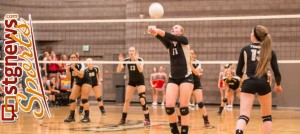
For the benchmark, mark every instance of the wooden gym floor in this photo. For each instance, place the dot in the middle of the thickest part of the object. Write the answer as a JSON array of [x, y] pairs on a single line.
[[284, 122]]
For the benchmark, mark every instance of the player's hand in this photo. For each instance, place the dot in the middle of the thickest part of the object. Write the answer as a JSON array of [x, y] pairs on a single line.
[[121, 57], [152, 31], [278, 89], [73, 65]]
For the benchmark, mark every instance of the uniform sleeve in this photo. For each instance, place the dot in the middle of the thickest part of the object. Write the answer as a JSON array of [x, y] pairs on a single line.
[[97, 69], [141, 59], [180, 39], [275, 68], [199, 65], [82, 67], [241, 64], [127, 59], [165, 42]]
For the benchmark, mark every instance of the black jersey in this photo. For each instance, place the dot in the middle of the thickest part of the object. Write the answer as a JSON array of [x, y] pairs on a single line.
[[197, 66], [179, 54], [74, 77], [248, 60], [93, 74], [134, 74], [233, 83]]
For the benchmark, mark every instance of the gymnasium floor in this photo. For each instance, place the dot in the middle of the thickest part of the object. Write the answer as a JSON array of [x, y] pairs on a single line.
[[284, 122]]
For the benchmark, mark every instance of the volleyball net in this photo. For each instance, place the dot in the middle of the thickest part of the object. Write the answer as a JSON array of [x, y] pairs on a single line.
[[216, 41]]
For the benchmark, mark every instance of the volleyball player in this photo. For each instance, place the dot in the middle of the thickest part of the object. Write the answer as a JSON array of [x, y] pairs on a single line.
[[82, 85], [161, 79], [136, 79], [220, 82], [252, 67], [181, 78], [95, 75], [231, 84], [197, 72], [153, 85]]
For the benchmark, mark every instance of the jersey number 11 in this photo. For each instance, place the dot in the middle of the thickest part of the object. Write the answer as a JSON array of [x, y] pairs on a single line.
[[255, 54]]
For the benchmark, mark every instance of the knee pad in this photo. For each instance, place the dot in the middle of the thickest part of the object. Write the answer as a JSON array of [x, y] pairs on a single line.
[[184, 111], [99, 99], [83, 101], [245, 118], [224, 100], [200, 105], [170, 110], [267, 118], [142, 96], [71, 101]]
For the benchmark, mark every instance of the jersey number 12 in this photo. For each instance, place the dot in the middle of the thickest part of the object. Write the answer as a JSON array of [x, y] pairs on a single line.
[[255, 54]]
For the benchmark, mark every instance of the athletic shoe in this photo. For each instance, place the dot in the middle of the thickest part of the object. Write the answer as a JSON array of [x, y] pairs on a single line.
[[122, 122], [206, 124], [85, 120], [69, 119], [147, 122]]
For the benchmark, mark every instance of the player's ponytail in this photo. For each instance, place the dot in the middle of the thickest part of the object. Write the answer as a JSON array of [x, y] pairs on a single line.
[[262, 35]]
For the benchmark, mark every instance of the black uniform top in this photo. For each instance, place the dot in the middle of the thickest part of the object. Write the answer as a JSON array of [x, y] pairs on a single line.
[[93, 74], [74, 77], [197, 66], [233, 83], [248, 61], [179, 54], [134, 74]]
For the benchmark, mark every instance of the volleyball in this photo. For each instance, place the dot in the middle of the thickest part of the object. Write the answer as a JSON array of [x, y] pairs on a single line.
[[156, 10]]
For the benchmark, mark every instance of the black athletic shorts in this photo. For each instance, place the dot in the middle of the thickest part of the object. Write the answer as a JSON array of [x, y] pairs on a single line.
[[188, 79], [94, 84], [259, 86], [136, 83], [84, 81], [197, 85]]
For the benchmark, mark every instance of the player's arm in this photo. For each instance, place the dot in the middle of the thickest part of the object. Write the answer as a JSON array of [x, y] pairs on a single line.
[[240, 65], [99, 77], [164, 41], [80, 72], [277, 74], [120, 66], [139, 65], [172, 37], [68, 73]]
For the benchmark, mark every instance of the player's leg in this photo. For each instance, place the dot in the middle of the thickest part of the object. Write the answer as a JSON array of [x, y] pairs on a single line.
[[266, 107], [72, 100], [199, 100], [98, 94], [171, 97], [246, 102], [85, 93], [143, 102], [128, 95], [186, 90]]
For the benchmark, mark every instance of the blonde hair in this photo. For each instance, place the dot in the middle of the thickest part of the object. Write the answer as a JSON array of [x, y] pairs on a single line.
[[262, 35]]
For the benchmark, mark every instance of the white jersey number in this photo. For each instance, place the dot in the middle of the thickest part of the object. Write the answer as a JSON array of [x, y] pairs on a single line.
[[255, 54], [132, 68], [175, 52]]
